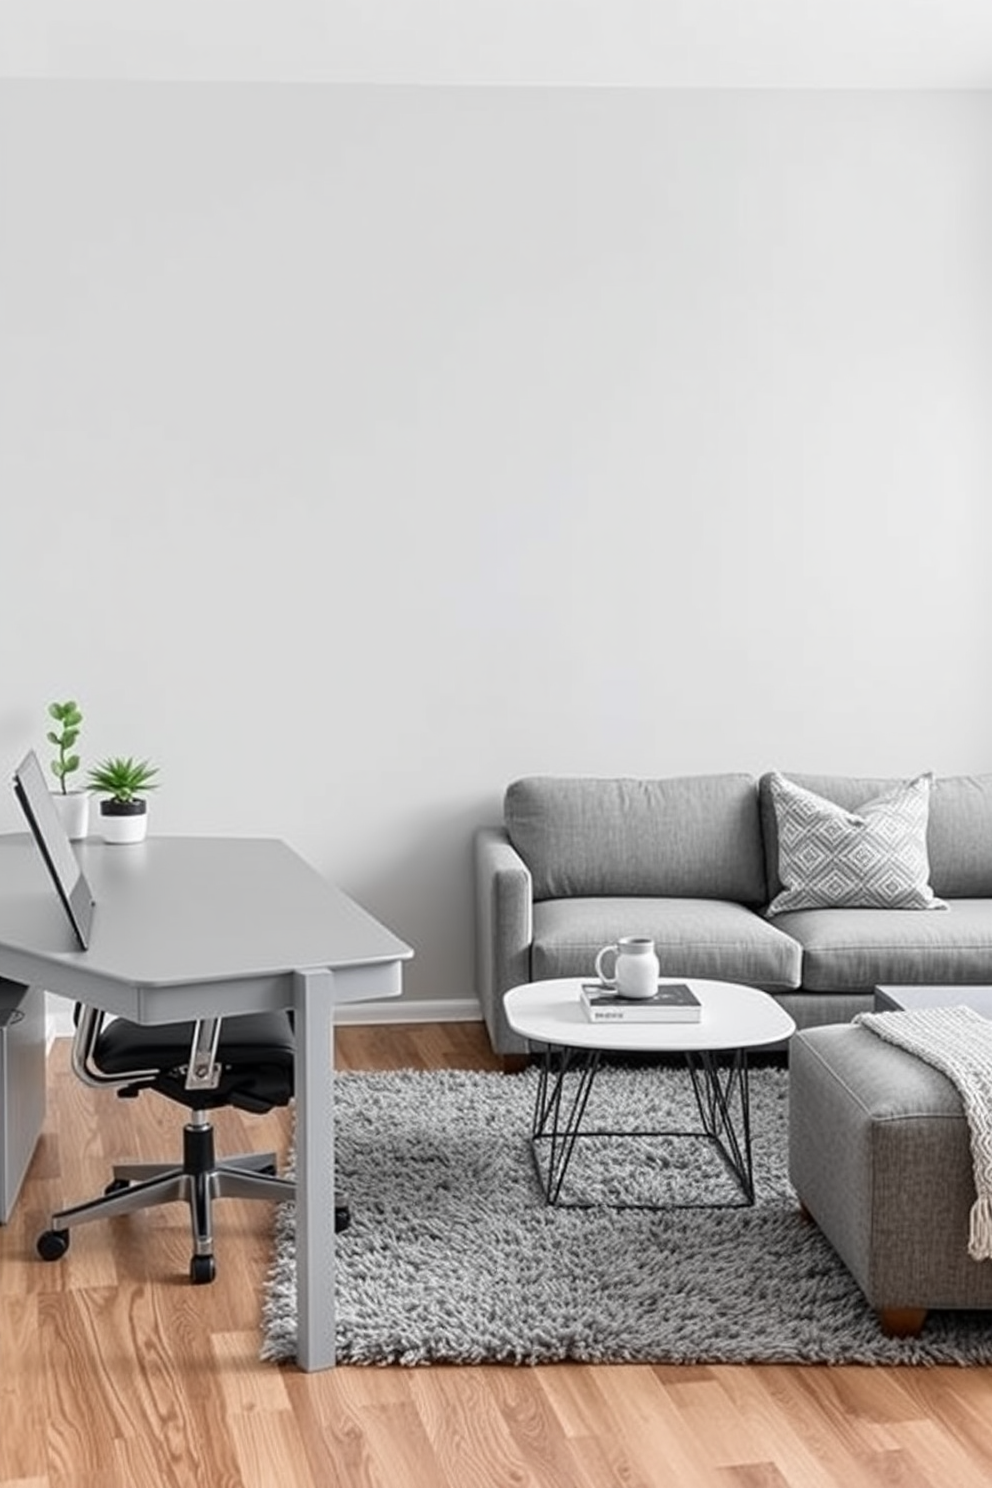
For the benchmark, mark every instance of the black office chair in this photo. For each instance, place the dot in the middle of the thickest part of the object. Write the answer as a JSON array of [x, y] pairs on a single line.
[[244, 1061]]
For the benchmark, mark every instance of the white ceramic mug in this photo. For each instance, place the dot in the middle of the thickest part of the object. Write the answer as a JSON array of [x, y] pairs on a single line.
[[635, 970]]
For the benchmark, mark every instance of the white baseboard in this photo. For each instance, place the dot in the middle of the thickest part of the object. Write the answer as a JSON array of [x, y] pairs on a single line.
[[58, 1016]]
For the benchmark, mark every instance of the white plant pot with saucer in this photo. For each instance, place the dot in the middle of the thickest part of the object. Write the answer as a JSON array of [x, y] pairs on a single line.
[[73, 810], [123, 821]]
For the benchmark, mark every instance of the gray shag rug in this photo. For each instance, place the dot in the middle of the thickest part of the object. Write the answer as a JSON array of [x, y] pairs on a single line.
[[453, 1256]]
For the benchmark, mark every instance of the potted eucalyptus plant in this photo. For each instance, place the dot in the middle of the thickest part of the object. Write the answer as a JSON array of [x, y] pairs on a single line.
[[122, 783], [72, 806]]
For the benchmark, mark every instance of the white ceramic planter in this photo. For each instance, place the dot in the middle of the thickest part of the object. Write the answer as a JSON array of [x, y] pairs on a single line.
[[123, 821], [73, 810]]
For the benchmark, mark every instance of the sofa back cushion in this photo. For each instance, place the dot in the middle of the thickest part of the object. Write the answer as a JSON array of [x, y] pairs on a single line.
[[695, 837], [959, 834]]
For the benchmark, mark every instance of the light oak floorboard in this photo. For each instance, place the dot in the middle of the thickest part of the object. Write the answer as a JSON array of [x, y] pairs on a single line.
[[115, 1371]]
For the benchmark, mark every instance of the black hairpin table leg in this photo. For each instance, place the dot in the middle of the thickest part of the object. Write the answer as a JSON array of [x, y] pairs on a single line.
[[722, 1097]]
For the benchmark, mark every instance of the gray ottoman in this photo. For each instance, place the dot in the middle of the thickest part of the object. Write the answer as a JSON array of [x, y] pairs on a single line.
[[879, 1155]]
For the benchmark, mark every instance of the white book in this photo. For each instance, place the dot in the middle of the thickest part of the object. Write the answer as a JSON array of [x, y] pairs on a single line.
[[673, 1002]]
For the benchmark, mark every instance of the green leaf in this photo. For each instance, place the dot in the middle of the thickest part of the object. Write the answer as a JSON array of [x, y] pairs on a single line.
[[122, 777], [69, 737], [57, 769], [53, 738], [72, 763], [68, 714]]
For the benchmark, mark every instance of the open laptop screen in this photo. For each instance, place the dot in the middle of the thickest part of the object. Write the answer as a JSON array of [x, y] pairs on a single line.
[[54, 845]]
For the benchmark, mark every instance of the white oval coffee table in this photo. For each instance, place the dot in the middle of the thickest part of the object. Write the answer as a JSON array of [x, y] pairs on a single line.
[[733, 1020]]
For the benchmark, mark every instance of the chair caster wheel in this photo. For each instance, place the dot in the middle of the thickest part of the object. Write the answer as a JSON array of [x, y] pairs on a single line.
[[53, 1244], [342, 1218], [116, 1185], [202, 1268]]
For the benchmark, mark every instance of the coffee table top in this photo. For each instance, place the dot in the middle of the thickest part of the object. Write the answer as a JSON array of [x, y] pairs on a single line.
[[733, 1017]]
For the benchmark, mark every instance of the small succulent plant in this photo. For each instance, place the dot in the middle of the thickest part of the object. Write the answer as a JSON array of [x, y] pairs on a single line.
[[122, 778]]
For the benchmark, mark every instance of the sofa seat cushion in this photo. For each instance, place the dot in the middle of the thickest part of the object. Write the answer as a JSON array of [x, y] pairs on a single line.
[[847, 950], [693, 937]]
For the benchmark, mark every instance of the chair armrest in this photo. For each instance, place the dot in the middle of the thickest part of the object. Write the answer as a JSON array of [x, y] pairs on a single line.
[[503, 931], [202, 1069], [89, 1025]]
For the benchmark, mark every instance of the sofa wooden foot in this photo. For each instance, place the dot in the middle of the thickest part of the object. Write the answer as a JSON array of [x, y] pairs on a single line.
[[513, 1064], [804, 1213], [902, 1322]]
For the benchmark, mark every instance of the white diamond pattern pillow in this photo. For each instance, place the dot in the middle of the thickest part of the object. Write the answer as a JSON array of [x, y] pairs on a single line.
[[872, 858]]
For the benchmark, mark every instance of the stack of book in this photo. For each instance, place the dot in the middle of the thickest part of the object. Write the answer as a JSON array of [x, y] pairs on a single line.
[[673, 1002]]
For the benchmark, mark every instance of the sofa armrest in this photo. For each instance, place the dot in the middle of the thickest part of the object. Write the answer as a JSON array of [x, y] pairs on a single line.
[[503, 931]]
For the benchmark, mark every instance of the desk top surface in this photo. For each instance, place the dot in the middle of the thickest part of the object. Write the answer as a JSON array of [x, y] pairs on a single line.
[[183, 910]]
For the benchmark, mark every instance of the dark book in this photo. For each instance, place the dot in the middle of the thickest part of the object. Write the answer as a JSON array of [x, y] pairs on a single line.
[[673, 1002]]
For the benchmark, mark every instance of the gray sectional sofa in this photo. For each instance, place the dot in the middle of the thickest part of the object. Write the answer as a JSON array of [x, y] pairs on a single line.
[[693, 862]]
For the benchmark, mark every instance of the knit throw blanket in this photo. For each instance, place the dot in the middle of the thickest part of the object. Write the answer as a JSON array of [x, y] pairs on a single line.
[[958, 1042]]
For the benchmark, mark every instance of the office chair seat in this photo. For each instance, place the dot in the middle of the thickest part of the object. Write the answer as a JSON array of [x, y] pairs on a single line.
[[254, 1056], [255, 1052]]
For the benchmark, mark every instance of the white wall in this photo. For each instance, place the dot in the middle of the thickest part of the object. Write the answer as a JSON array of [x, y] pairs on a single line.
[[362, 449], [641, 43]]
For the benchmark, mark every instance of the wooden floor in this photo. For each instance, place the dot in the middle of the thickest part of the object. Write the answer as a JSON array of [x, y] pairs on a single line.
[[114, 1372]]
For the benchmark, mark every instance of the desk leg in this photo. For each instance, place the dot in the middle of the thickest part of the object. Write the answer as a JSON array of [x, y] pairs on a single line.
[[314, 1009]]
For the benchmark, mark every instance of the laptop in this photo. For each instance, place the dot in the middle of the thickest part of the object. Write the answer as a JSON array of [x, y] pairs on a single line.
[[54, 846]]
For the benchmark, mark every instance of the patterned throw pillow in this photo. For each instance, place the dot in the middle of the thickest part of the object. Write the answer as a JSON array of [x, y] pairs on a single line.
[[872, 858]]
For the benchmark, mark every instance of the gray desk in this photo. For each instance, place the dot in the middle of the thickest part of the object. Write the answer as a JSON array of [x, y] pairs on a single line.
[[197, 927]]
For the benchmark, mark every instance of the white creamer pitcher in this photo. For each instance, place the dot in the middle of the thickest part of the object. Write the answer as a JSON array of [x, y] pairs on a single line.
[[635, 968]]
